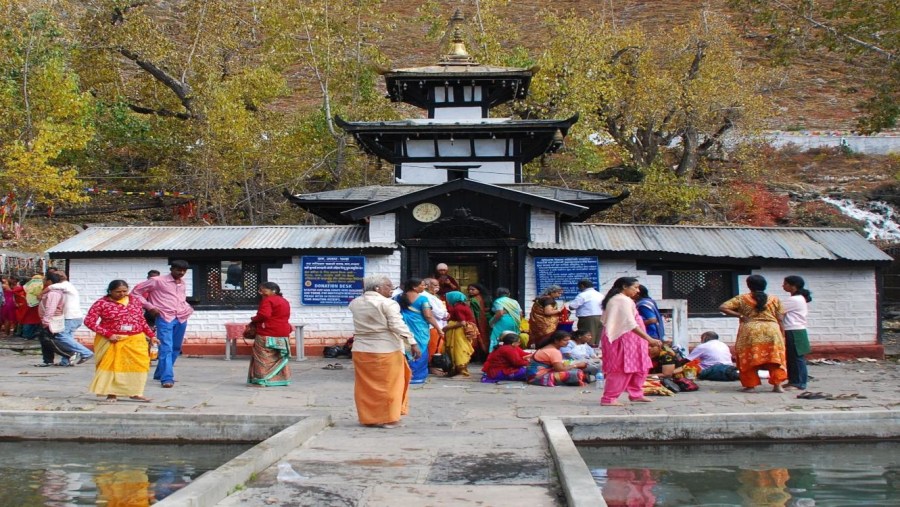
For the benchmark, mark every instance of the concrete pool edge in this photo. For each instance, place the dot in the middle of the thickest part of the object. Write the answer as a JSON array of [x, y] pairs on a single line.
[[574, 476], [142, 427], [276, 436], [214, 486], [578, 484]]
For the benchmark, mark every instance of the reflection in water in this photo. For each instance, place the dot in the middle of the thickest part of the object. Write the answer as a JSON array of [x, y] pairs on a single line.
[[124, 488], [765, 488], [63, 474], [629, 488], [783, 475]]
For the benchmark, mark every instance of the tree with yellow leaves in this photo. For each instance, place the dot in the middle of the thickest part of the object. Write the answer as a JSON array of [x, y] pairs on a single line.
[[679, 91], [44, 117]]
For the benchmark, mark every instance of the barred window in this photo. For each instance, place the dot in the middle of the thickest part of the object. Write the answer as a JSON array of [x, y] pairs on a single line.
[[703, 290], [226, 284]]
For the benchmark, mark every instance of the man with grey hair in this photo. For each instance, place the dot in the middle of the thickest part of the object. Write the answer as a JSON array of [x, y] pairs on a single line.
[[588, 310], [381, 372], [439, 310]]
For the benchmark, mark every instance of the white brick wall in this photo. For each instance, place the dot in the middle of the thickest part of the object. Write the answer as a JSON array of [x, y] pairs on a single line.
[[543, 226], [92, 276], [383, 228], [843, 310]]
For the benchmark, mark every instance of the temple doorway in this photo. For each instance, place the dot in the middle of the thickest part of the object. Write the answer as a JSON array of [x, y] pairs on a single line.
[[491, 267]]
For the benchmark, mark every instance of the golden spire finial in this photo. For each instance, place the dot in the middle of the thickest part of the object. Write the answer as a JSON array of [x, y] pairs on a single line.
[[458, 55]]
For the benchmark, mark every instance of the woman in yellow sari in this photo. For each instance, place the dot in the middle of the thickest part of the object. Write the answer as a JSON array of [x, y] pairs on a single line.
[[120, 345], [459, 346], [760, 340]]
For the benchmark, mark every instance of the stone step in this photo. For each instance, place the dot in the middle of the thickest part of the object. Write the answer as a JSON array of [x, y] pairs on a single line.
[[21, 345]]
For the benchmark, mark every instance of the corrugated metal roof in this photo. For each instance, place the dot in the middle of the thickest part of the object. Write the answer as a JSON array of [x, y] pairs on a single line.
[[157, 239], [718, 242]]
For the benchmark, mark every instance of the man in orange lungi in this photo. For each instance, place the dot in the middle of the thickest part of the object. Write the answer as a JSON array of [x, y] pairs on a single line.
[[381, 372]]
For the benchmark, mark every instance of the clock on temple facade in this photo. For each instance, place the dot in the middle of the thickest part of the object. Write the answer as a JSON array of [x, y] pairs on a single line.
[[459, 195]]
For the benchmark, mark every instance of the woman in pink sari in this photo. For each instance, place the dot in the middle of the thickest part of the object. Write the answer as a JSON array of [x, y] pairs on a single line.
[[625, 344]]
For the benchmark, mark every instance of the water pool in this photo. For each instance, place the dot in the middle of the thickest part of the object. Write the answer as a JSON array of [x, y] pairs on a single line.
[[54, 473], [747, 474]]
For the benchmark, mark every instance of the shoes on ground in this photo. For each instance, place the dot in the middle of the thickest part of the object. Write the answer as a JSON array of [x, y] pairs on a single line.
[[75, 358], [168, 385], [83, 359]]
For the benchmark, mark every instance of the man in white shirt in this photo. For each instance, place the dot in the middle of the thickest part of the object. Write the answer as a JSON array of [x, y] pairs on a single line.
[[438, 307], [715, 358], [587, 309], [441, 315], [69, 300]]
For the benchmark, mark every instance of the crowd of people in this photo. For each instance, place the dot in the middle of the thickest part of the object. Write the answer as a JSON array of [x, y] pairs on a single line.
[[620, 338], [400, 331]]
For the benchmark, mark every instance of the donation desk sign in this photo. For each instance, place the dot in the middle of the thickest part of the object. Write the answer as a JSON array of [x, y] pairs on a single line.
[[566, 272], [331, 280]]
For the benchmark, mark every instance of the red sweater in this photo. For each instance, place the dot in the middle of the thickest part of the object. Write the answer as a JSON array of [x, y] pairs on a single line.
[[272, 317], [505, 358]]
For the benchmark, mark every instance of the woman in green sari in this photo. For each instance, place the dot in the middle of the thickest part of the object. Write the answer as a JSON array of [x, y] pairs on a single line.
[[271, 348], [507, 316]]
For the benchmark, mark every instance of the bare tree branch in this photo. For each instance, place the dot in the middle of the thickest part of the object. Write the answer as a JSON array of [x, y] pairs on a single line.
[[834, 31], [181, 89], [159, 112]]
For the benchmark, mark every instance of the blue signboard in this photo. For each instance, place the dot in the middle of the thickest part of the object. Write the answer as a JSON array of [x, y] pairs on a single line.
[[566, 272], [331, 280]]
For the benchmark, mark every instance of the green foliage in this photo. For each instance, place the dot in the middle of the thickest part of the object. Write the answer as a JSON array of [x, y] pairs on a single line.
[[661, 198], [643, 91]]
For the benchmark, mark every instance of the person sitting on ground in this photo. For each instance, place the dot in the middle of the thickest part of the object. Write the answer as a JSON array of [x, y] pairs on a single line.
[[715, 359], [548, 368], [666, 361], [506, 362], [580, 349]]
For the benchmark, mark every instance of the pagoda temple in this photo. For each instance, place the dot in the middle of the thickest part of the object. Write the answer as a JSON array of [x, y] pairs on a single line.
[[459, 195]]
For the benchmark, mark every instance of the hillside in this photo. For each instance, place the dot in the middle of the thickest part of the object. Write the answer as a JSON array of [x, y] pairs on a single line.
[[819, 92], [816, 93]]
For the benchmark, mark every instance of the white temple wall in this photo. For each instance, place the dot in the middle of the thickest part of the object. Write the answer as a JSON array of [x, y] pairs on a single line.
[[418, 173], [322, 324], [843, 310]]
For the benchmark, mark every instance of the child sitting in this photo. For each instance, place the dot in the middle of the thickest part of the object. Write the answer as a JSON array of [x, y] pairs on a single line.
[[580, 349]]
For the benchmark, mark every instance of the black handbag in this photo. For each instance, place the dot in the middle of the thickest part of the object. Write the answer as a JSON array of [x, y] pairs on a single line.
[[441, 361], [670, 385]]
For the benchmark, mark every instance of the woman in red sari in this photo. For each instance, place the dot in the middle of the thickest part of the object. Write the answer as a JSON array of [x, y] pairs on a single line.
[[120, 344], [625, 344], [271, 348]]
